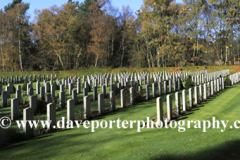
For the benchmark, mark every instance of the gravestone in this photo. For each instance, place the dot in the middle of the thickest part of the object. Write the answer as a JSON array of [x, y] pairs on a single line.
[[51, 116]]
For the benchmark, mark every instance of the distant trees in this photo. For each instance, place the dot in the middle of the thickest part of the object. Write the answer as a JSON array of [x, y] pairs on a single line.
[[95, 34], [14, 36]]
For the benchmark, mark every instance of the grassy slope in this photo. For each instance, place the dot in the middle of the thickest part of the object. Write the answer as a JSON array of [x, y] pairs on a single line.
[[148, 144]]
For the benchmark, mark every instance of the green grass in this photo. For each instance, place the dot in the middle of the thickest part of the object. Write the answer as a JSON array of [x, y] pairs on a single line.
[[149, 143]]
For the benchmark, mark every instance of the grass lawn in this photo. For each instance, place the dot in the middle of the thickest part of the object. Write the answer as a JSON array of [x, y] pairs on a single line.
[[150, 143]]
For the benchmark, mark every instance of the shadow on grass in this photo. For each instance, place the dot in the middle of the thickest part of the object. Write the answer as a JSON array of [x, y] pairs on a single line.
[[202, 104], [13, 146], [227, 150], [43, 136]]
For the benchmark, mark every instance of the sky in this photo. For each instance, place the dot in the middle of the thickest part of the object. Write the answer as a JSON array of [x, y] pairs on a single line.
[[43, 4]]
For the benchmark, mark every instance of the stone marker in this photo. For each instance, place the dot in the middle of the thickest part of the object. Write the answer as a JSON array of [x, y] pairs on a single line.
[[70, 88], [74, 96], [212, 89], [38, 87], [48, 98], [177, 102], [78, 86], [18, 96], [14, 109], [153, 90], [170, 85], [132, 100], [112, 101], [147, 92], [62, 99], [70, 110], [159, 111], [28, 116], [196, 95], [87, 107], [3, 134], [33, 103], [184, 100], [51, 116], [190, 97], [200, 93], [95, 93], [4, 98], [169, 107], [165, 87], [123, 98], [204, 91], [7, 89], [53, 91], [101, 103]]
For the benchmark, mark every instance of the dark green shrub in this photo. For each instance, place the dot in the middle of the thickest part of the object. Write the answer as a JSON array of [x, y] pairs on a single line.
[[151, 81], [188, 82], [137, 96], [116, 90], [14, 89], [181, 85], [227, 81], [127, 93], [89, 88], [41, 106], [56, 86], [13, 135], [9, 102], [24, 86]]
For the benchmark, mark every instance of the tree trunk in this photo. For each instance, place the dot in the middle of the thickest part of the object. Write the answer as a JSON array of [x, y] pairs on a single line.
[[149, 65], [60, 59], [122, 52], [19, 50], [158, 61], [2, 55], [96, 61]]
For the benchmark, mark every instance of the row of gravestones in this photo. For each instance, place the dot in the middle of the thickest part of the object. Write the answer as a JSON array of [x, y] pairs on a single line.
[[32, 99], [234, 78], [48, 97], [142, 75], [86, 101], [201, 78], [122, 77], [46, 88], [15, 80], [209, 89]]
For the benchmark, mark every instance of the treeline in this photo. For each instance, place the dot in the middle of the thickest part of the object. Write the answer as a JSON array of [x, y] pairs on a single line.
[[95, 34]]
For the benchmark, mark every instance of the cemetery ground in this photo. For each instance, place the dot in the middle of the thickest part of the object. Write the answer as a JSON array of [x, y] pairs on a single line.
[[81, 143]]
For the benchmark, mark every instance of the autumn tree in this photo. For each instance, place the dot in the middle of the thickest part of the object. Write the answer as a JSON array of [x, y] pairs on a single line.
[[51, 28]]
